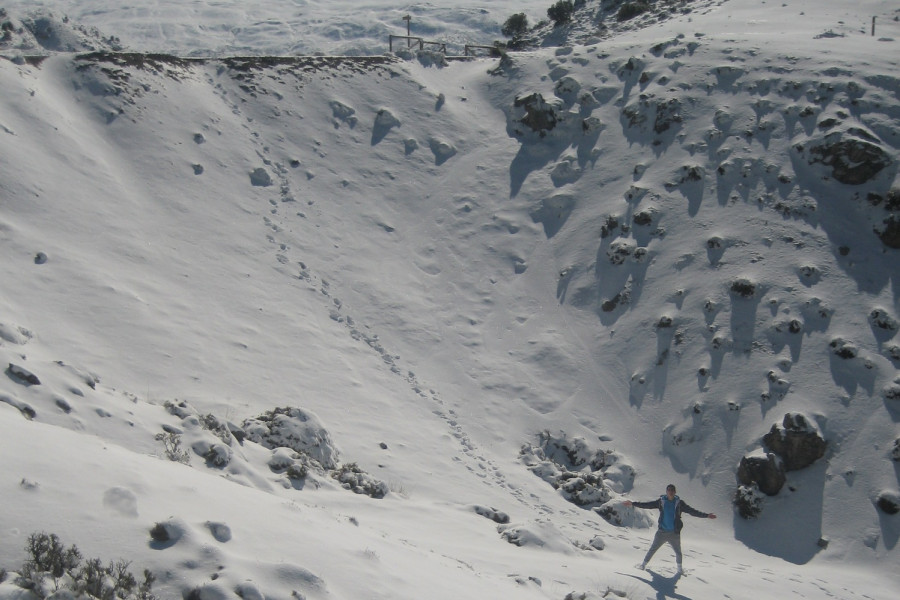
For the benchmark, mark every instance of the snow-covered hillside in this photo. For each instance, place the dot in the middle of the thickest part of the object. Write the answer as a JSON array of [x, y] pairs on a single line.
[[495, 298]]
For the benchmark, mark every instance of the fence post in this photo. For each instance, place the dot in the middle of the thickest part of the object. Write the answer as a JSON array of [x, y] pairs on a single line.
[[873, 25]]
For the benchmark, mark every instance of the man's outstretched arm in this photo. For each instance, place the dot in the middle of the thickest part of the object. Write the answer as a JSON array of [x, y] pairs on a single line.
[[685, 507]]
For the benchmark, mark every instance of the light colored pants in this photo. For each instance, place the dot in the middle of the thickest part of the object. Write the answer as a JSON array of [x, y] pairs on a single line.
[[665, 537]]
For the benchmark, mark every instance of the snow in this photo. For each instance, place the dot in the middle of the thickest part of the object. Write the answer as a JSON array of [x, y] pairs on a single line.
[[315, 273], [229, 27]]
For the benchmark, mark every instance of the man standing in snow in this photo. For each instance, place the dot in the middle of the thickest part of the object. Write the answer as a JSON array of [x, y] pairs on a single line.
[[670, 508]]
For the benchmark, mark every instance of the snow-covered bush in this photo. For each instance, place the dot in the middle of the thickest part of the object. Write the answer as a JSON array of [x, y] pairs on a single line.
[[583, 476], [359, 482], [749, 501], [295, 465], [294, 428], [52, 569], [179, 408], [218, 427], [214, 453]]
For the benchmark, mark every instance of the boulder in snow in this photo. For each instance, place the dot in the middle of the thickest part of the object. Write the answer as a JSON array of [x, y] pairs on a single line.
[[442, 150], [492, 513], [888, 502], [22, 374], [853, 157], [879, 318], [539, 116], [798, 442], [766, 472], [259, 177]]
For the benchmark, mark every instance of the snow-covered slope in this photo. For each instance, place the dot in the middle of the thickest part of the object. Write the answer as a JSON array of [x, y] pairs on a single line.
[[642, 252]]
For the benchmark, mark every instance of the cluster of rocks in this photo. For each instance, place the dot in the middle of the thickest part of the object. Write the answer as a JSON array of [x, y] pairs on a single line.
[[584, 477], [299, 443], [794, 445]]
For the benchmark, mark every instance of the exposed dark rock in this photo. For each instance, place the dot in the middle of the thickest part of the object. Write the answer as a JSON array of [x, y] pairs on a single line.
[[614, 302], [798, 444], [881, 319], [743, 288], [23, 374], [259, 177], [889, 502], [540, 116], [890, 201], [645, 217], [891, 392], [659, 114], [611, 224], [493, 514], [843, 349], [889, 232], [854, 156], [765, 472]]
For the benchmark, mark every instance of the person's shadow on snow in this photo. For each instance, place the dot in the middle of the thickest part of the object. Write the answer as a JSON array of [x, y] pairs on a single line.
[[663, 584]]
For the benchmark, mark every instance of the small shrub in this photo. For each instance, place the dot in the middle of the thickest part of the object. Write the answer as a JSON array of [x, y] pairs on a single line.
[[561, 12], [515, 26], [297, 471], [351, 477], [50, 558], [749, 501], [173, 449], [212, 423], [743, 288], [630, 10]]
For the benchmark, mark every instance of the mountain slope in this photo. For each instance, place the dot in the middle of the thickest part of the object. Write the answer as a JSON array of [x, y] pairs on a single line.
[[624, 244]]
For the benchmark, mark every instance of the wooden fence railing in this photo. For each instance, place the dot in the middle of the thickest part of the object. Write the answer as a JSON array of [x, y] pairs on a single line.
[[412, 40]]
